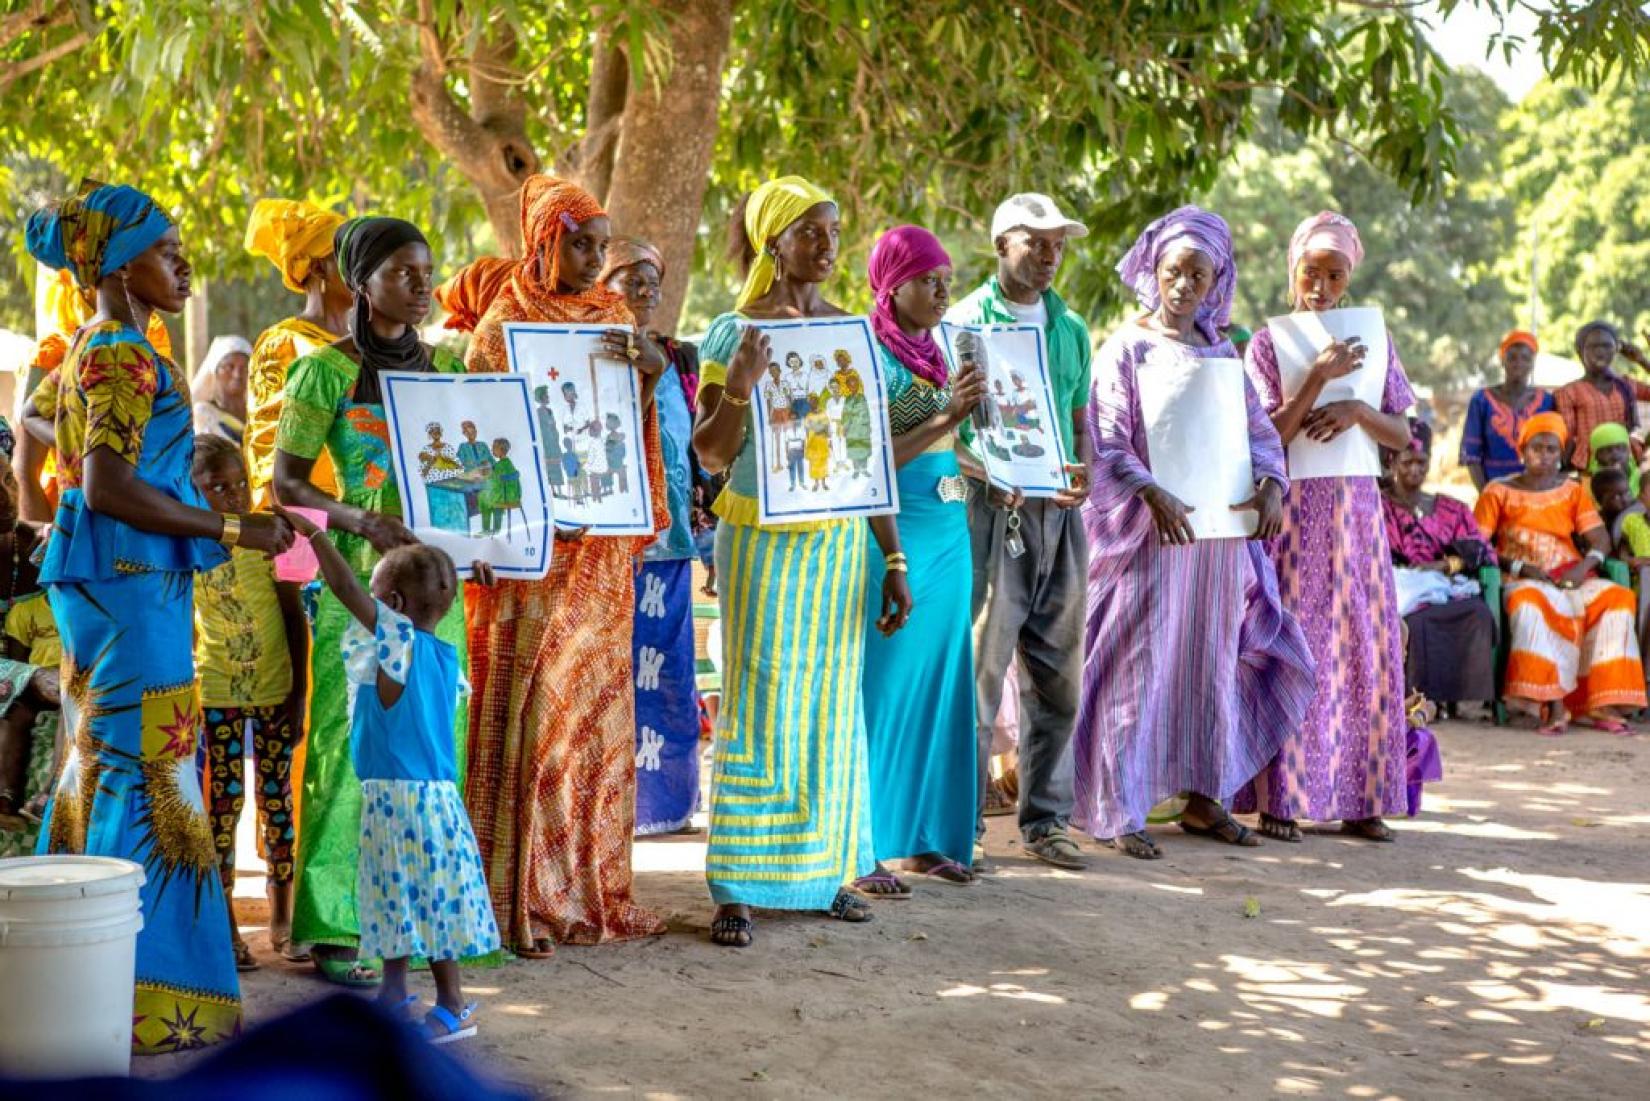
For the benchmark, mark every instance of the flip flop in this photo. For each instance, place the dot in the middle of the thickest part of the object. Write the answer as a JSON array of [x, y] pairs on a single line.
[[536, 953], [1553, 730], [346, 972], [243, 957], [949, 871], [455, 1027], [1609, 726], [1228, 829]]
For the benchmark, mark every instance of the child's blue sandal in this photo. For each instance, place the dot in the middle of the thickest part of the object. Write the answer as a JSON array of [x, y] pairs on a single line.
[[453, 1028]]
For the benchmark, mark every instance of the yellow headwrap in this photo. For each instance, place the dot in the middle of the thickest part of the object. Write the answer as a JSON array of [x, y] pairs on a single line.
[[292, 235], [67, 309], [773, 207]]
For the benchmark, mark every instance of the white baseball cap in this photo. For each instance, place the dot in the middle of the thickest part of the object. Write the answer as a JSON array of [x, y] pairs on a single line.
[[1029, 210]]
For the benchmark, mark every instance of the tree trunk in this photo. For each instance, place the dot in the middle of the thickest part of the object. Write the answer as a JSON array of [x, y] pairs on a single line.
[[488, 141], [663, 163]]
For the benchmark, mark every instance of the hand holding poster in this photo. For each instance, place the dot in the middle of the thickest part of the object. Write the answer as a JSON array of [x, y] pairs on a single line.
[[467, 461], [821, 434], [1298, 338], [588, 409], [1020, 445], [1197, 438]]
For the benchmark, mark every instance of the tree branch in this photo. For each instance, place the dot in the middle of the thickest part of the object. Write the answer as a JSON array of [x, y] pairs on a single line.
[[604, 116], [43, 58]]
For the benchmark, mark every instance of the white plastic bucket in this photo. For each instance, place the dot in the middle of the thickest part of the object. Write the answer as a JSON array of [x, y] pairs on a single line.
[[68, 952]]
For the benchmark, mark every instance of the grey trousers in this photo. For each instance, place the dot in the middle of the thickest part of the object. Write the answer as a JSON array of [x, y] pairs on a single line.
[[1033, 605]]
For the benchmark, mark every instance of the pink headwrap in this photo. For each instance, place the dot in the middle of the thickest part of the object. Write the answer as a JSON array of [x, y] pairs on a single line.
[[899, 256], [1324, 230]]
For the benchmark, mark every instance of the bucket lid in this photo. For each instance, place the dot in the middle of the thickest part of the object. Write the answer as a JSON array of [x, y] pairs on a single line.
[[48, 878]]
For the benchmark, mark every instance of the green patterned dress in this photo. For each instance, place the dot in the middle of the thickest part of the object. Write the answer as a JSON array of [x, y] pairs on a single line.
[[320, 414]]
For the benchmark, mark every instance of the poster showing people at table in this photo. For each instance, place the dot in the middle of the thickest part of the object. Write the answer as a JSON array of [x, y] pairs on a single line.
[[470, 469], [588, 409]]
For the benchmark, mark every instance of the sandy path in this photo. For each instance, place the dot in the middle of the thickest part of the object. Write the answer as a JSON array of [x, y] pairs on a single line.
[[1501, 949]]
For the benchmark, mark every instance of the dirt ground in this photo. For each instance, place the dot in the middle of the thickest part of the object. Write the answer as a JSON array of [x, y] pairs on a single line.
[[1500, 949]]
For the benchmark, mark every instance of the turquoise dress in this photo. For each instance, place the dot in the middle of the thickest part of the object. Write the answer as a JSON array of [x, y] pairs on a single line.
[[919, 684], [124, 604]]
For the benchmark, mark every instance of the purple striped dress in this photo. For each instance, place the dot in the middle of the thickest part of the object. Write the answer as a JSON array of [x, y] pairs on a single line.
[[1194, 673], [1346, 760]]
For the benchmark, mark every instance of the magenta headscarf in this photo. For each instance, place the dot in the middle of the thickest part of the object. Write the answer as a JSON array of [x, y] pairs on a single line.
[[899, 256], [1324, 230], [1190, 227]]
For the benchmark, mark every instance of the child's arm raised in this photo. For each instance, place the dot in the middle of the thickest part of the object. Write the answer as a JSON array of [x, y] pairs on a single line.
[[339, 577]]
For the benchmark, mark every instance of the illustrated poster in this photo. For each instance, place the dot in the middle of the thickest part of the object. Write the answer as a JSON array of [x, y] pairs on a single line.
[[1197, 438], [1022, 448], [588, 407], [471, 474], [1298, 338], [822, 444]]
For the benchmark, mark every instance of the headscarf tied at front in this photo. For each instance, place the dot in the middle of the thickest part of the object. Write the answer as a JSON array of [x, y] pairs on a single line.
[[1324, 230], [100, 230], [292, 235], [770, 209], [1188, 227], [362, 245], [899, 256]]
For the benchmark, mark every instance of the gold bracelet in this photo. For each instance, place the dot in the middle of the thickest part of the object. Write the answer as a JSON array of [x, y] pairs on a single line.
[[738, 402], [896, 567], [231, 535], [896, 559]]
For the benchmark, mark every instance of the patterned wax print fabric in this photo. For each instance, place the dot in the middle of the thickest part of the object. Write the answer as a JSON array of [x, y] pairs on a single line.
[[1346, 759], [319, 414], [273, 354], [129, 786], [241, 651], [552, 788]]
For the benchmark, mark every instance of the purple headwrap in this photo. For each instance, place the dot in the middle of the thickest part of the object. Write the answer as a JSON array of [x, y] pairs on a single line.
[[899, 256], [1324, 230], [1188, 227]]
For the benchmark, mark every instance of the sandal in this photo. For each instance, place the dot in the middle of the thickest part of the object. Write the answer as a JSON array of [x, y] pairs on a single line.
[[1369, 829], [1227, 829], [453, 1027], [849, 907], [1138, 844], [733, 932], [883, 884], [1607, 724], [997, 802], [543, 948], [1059, 850], [949, 871], [1281, 829], [345, 972], [243, 957]]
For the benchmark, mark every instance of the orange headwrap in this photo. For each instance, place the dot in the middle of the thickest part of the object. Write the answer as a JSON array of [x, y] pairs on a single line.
[[1540, 423], [472, 289], [1519, 336], [69, 307], [551, 207]]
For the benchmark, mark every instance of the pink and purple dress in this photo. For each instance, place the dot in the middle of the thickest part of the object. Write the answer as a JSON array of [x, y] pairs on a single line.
[[1346, 761], [1194, 672]]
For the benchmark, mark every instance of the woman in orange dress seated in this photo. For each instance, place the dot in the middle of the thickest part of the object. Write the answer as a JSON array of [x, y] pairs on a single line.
[[1574, 650]]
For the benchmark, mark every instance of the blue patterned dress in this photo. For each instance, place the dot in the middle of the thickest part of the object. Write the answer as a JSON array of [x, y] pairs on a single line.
[[129, 787], [421, 890]]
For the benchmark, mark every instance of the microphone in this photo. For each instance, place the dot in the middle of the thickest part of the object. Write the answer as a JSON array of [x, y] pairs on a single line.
[[971, 351]]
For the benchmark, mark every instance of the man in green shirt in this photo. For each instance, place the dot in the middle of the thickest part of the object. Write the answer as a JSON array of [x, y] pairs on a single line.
[[1030, 555]]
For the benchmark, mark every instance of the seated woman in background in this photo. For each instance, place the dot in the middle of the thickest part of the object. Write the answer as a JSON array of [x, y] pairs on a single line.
[[1554, 603], [1612, 448], [1628, 523], [1496, 414], [1436, 550], [218, 388]]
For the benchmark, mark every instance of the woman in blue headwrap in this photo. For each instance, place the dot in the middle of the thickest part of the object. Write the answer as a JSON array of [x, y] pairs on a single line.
[[1194, 672], [130, 533]]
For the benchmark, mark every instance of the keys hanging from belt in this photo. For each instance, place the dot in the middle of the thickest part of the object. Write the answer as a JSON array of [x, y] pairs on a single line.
[[1013, 544]]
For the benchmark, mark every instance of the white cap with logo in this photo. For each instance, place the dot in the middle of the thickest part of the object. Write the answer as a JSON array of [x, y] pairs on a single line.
[[1029, 210]]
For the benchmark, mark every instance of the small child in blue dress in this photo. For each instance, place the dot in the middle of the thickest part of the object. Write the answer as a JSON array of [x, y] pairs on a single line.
[[421, 889]]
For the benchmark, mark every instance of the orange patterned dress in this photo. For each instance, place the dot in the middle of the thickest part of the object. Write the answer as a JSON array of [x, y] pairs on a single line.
[[552, 784], [1577, 645]]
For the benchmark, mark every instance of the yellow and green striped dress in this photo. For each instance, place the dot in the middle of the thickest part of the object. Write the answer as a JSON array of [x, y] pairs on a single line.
[[789, 811]]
